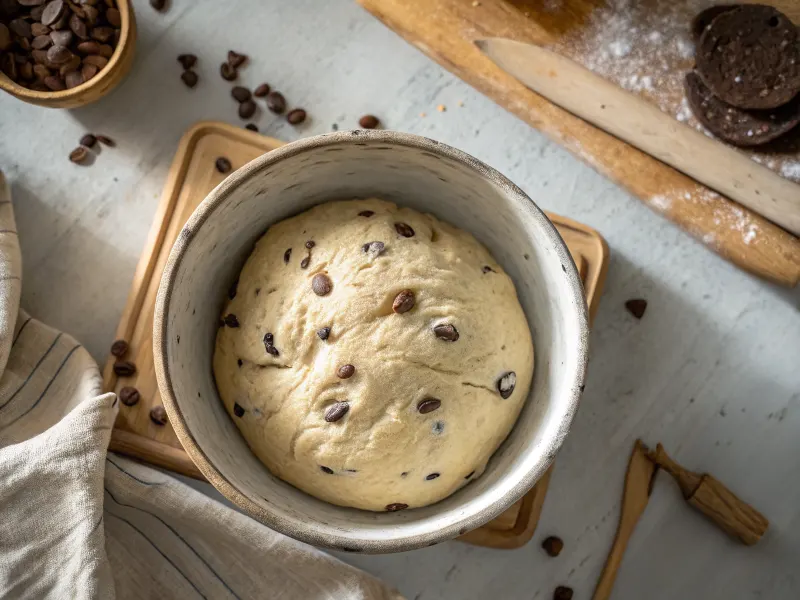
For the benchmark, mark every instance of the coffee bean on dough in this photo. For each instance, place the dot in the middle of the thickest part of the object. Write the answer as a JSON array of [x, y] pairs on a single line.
[[304, 262], [327, 470], [79, 154], [222, 164], [310, 244], [432, 476], [324, 333], [321, 284], [446, 332], [471, 473], [366, 213], [231, 320], [396, 506], [238, 410], [119, 348], [336, 411], [404, 229], [124, 368], [403, 302], [506, 384], [88, 140], [287, 255], [158, 415], [428, 405], [129, 396], [345, 371]]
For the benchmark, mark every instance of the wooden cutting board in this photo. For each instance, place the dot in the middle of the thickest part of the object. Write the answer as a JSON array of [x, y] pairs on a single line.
[[191, 177]]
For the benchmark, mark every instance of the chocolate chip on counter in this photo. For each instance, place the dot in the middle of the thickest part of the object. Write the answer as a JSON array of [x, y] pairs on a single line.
[[235, 59], [240, 93], [471, 473], [553, 545], [321, 284], [636, 307], [562, 592], [345, 371], [80, 154], [189, 78], [506, 384], [187, 61], [323, 333], [428, 405], [158, 4], [238, 410], [261, 91], [88, 140], [403, 302], [369, 122], [374, 249], [247, 109], [327, 470], [119, 348], [276, 102], [304, 262], [227, 72], [336, 411], [366, 213], [251, 127], [231, 320], [488, 269], [222, 164], [129, 396], [396, 506], [431, 476], [124, 368], [438, 427], [158, 415], [106, 141], [296, 116], [232, 289], [446, 332], [404, 229], [287, 255], [310, 244]]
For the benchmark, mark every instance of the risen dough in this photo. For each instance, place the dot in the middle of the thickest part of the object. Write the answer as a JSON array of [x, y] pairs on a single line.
[[395, 445]]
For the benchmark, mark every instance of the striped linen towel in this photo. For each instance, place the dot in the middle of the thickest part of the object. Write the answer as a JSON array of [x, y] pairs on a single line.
[[77, 522]]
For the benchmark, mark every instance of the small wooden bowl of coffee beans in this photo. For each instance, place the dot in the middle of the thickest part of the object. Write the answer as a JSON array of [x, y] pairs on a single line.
[[65, 53]]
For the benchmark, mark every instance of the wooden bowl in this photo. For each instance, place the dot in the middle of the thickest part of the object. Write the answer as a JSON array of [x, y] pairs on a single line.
[[98, 86]]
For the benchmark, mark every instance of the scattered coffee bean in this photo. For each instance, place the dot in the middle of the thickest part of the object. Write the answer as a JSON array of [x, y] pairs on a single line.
[[287, 255], [432, 476], [261, 91], [124, 368], [369, 122], [158, 415], [238, 410], [106, 141], [396, 506], [404, 230], [222, 164], [296, 116], [321, 284], [553, 545], [231, 320], [488, 269], [88, 140], [428, 405], [159, 5], [345, 371], [189, 78], [119, 348], [228, 72], [310, 244], [240, 93], [247, 109], [327, 470], [336, 411], [276, 102], [129, 396], [232, 289], [79, 155], [446, 332], [636, 307], [366, 213], [403, 302], [562, 592], [506, 384], [251, 127], [187, 61], [374, 249], [304, 262], [235, 59], [323, 333], [471, 473]]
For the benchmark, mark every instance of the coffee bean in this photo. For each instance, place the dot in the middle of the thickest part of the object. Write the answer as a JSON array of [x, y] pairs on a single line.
[[158, 4], [336, 411], [129, 396], [240, 93], [396, 506], [124, 368], [262, 90], [471, 473], [247, 109], [189, 78], [102, 34], [374, 249], [80, 153], [276, 102], [232, 289], [403, 302], [323, 333], [488, 269], [432, 476], [287, 255], [562, 592], [88, 71], [79, 28], [296, 116], [345, 371], [227, 72], [269, 339], [636, 307], [273, 351], [222, 164], [428, 405], [158, 415], [96, 60], [90, 47], [73, 79], [40, 42], [366, 213], [235, 59], [62, 38], [105, 140], [553, 545], [114, 17], [54, 10], [404, 229], [369, 122], [238, 410], [327, 470], [446, 332], [58, 55], [304, 262], [37, 29], [321, 284], [506, 384], [187, 61], [251, 127], [231, 320], [120, 347], [310, 244]]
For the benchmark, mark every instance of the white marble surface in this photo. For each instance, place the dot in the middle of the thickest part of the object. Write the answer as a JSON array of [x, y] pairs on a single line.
[[713, 369]]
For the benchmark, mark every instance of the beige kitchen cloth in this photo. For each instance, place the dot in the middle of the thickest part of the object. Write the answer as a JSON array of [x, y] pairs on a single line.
[[77, 522]]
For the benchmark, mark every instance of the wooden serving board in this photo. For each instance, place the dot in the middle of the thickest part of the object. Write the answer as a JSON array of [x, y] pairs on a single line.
[[191, 177]]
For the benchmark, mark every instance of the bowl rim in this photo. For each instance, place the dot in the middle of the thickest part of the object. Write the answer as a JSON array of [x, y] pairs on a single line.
[[307, 531]]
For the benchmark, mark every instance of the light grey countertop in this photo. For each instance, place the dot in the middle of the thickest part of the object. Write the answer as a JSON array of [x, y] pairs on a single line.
[[712, 370]]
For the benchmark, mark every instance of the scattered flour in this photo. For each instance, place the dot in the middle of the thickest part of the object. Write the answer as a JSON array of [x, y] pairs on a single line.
[[620, 48], [791, 170], [661, 202]]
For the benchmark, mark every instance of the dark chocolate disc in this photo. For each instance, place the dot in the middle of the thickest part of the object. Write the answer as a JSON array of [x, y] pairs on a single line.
[[703, 19]]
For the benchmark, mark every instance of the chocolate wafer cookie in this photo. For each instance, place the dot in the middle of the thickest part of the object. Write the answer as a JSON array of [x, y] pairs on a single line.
[[703, 19], [750, 57]]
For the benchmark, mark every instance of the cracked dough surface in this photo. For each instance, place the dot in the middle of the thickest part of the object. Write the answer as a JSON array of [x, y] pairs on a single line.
[[384, 452]]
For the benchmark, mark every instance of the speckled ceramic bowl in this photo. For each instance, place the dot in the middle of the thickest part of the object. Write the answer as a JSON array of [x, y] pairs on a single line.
[[415, 172]]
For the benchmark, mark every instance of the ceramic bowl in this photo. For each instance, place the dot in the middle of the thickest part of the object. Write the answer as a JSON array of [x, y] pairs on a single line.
[[412, 171]]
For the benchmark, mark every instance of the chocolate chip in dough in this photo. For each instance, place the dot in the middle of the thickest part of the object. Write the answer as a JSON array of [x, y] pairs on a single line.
[[231, 320], [222, 164], [158, 415], [366, 213], [323, 333], [431, 476], [238, 410], [737, 126], [119, 348], [345, 371], [269, 345], [446, 332], [488, 269], [404, 230], [553, 545], [396, 506], [336, 411], [506, 384], [750, 57], [403, 302], [636, 307], [321, 284], [304, 262], [239, 362], [562, 592], [428, 405], [327, 470], [129, 396], [703, 19], [310, 244], [374, 249], [287, 255]]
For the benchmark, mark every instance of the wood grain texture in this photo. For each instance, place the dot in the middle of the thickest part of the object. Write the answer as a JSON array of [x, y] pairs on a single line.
[[191, 177], [446, 29]]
